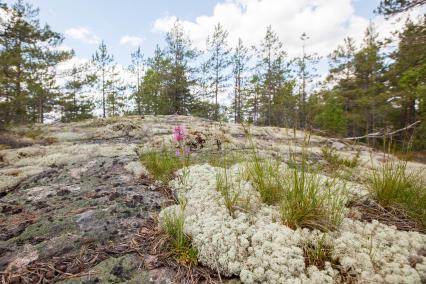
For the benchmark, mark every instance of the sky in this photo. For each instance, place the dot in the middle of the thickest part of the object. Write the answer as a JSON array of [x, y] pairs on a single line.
[[126, 24]]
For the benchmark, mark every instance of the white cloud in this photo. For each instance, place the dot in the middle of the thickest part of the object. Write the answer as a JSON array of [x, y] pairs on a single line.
[[326, 22], [4, 18], [64, 47], [131, 40], [83, 34]]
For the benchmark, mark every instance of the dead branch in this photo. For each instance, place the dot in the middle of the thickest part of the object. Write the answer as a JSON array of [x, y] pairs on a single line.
[[380, 135]]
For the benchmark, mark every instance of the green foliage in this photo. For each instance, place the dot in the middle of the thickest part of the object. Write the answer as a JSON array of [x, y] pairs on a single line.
[[76, 105], [318, 253], [161, 164], [239, 62], [180, 54], [336, 161], [408, 80], [153, 89], [392, 7], [32, 132], [28, 56], [265, 177], [230, 195], [393, 185], [271, 77], [311, 202], [217, 63], [331, 116], [102, 61], [115, 99], [173, 225], [306, 199], [137, 68]]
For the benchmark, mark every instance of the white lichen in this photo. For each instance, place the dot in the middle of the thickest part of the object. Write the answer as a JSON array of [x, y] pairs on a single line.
[[137, 169], [258, 248]]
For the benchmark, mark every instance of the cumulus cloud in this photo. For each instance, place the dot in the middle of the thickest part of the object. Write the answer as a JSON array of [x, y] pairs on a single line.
[[4, 18], [326, 22], [82, 34], [131, 40]]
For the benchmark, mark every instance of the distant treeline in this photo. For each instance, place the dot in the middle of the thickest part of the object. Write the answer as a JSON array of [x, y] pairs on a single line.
[[368, 89]]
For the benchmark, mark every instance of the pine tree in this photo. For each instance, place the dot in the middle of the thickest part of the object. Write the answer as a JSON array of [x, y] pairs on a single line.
[[28, 55], [75, 102], [102, 61], [305, 71], [342, 74], [273, 69], [180, 54], [155, 96], [330, 115], [393, 7], [217, 63], [368, 79], [240, 59], [253, 102], [114, 89], [407, 78], [137, 68]]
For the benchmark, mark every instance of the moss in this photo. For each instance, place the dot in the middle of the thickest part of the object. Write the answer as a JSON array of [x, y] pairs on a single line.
[[4, 147], [46, 229], [58, 245], [33, 132], [115, 270]]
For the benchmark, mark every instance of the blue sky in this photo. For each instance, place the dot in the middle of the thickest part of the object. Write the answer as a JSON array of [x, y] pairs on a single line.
[[86, 22], [110, 20]]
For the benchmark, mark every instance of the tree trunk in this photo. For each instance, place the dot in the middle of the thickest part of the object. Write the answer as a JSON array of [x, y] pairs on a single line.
[[103, 92]]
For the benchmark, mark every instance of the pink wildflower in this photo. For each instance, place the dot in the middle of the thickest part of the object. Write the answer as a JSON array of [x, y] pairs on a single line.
[[187, 151], [179, 133]]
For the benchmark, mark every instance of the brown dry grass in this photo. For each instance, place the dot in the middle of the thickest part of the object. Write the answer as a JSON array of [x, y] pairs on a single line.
[[391, 216]]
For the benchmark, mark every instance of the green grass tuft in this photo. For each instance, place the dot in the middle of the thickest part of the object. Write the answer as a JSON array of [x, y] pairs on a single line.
[[265, 178], [336, 161], [173, 226], [161, 164], [392, 185], [230, 196], [304, 197], [311, 202], [318, 253]]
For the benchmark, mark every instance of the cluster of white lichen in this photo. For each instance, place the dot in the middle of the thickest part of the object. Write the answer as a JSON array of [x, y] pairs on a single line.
[[258, 248]]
